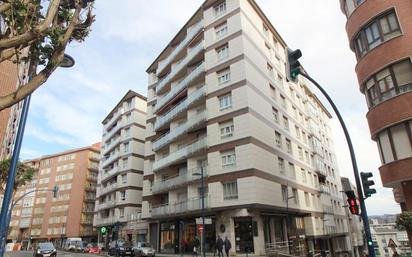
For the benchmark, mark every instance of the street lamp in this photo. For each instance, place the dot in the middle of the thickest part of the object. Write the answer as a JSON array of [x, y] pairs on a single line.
[[67, 62], [202, 195]]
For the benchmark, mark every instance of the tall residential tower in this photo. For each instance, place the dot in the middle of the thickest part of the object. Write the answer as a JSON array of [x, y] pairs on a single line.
[[219, 104], [380, 34]]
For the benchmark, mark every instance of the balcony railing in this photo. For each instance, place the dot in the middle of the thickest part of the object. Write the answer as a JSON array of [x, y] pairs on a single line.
[[182, 129], [183, 153], [107, 204], [107, 189], [161, 101], [176, 181], [194, 204], [110, 172], [109, 220], [327, 209], [192, 52], [114, 130], [111, 158], [116, 115], [191, 33], [324, 189], [179, 108], [109, 146]]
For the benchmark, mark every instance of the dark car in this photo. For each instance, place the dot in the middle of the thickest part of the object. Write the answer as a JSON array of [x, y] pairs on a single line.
[[45, 250], [120, 248]]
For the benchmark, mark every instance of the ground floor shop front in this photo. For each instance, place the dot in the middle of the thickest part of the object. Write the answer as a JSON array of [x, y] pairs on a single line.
[[249, 231]]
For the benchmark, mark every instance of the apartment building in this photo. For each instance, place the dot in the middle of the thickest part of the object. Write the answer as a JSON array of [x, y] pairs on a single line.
[[356, 231], [380, 34], [219, 104], [40, 216], [119, 193], [384, 234]]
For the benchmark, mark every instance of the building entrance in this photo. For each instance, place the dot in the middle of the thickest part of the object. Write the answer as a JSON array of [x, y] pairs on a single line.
[[244, 235]]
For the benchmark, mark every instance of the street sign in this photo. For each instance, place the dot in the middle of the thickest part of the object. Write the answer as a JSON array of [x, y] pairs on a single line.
[[103, 230], [208, 221], [391, 243]]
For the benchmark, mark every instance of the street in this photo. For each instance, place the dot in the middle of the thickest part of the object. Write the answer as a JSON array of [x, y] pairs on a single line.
[[59, 254]]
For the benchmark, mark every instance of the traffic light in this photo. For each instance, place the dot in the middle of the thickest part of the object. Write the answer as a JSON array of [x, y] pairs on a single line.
[[293, 65], [352, 202], [55, 189], [366, 184]]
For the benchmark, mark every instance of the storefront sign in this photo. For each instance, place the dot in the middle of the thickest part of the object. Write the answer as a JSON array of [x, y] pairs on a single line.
[[208, 221]]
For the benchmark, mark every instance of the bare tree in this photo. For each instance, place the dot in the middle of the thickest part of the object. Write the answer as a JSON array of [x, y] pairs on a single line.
[[43, 28]]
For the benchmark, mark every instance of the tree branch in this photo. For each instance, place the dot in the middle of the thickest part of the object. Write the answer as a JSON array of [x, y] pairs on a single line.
[[38, 31], [36, 81]]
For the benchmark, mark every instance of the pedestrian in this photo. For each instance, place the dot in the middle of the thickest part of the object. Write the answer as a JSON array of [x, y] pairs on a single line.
[[183, 245], [196, 244], [228, 246], [219, 246]]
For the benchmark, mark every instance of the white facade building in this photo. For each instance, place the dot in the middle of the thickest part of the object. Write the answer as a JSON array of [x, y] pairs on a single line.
[[119, 192], [218, 101]]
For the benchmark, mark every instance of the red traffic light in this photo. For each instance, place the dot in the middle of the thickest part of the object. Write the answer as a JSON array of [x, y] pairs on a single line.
[[353, 206]]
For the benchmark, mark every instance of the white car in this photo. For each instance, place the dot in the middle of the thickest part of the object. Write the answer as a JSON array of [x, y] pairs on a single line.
[[144, 249]]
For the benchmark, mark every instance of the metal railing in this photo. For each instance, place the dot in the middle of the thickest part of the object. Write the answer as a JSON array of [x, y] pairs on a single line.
[[179, 180], [190, 34], [161, 101], [192, 52], [183, 153], [189, 205], [107, 204], [116, 115], [109, 147], [180, 130], [108, 189], [324, 189], [110, 220], [111, 158], [179, 108], [110, 172]]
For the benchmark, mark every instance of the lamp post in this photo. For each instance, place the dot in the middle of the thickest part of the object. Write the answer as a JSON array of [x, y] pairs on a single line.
[[67, 62], [202, 195]]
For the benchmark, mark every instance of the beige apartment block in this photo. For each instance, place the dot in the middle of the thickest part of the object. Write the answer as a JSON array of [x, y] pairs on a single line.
[[218, 101], [40, 216], [119, 193]]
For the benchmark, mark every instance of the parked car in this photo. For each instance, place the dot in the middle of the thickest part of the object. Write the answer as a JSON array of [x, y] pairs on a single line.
[[120, 248], [46, 249], [144, 249], [93, 248], [72, 243]]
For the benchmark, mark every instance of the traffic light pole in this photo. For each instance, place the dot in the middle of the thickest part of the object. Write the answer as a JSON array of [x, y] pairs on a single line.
[[354, 166]]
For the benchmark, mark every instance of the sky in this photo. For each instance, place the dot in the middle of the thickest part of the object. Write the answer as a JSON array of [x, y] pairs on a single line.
[[67, 111]]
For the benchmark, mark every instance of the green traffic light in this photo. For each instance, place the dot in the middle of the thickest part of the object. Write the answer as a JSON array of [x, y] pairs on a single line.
[[370, 243], [294, 74]]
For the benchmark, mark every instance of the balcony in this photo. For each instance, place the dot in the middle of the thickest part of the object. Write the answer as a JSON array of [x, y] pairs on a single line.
[[177, 181], [196, 72], [192, 52], [178, 49], [190, 100], [106, 205], [327, 209], [181, 130], [108, 189], [324, 189], [190, 205], [109, 147], [116, 115], [109, 220], [181, 154], [114, 130], [112, 158], [110, 172]]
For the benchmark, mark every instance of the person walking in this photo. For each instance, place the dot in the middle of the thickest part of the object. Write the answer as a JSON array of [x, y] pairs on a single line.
[[196, 244], [219, 246], [183, 246], [228, 246]]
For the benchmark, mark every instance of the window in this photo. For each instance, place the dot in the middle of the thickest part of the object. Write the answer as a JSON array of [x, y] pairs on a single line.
[[288, 146], [125, 162], [270, 70], [273, 92], [127, 132], [124, 178], [226, 129], [275, 114], [304, 180], [222, 52], [220, 9], [230, 190], [223, 76], [284, 193], [297, 130], [221, 30], [121, 212], [307, 200], [300, 152], [129, 117], [292, 170], [295, 195], [225, 102], [228, 158], [283, 101], [266, 31], [285, 123], [278, 139], [391, 81], [376, 32], [281, 165], [123, 195], [395, 143], [126, 147]]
